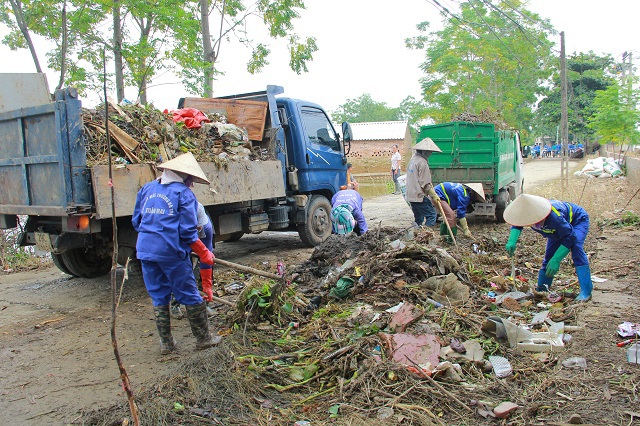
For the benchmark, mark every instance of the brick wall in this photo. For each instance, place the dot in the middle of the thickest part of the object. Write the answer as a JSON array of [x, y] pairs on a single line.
[[374, 156]]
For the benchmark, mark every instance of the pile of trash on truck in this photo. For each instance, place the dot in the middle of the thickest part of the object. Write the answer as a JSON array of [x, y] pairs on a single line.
[[144, 134]]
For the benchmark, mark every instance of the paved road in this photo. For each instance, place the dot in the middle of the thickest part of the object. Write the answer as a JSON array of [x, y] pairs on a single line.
[[539, 171]]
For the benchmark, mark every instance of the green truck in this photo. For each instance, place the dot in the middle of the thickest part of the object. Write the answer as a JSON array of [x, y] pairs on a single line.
[[477, 152]]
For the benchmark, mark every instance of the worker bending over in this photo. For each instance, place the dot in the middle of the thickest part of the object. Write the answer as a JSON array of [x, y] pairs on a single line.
[[346, 212], [456, 199], [565, 225]]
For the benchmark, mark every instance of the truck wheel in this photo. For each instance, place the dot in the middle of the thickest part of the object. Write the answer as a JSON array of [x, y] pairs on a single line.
[[502, 200], [317, 227], [57, 260], [235, 236], [86, 263]]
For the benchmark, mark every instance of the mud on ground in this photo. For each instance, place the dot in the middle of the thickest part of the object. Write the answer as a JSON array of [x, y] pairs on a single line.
[[56, 370]]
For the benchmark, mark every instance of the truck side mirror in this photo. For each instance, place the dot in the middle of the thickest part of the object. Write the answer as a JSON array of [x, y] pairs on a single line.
[[347, 137]]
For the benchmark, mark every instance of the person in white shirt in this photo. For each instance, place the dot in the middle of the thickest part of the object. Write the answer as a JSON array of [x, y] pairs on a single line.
[[395, 167]]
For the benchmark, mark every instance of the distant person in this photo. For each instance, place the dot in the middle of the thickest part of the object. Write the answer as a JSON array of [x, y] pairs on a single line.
[[165, 217], [418, 184], [346, 212], [564, 225], [456, 199], [395, 167], [350, 179]]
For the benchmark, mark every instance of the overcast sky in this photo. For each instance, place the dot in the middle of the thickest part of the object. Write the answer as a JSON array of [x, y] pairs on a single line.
[[361, 49]]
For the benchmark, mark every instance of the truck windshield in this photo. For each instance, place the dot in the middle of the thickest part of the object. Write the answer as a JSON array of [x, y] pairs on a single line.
[[318, 128]]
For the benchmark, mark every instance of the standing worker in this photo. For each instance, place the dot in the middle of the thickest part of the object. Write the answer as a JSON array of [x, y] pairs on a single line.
[[455, 199], [165, 217], [395, 167], [346, 212], [206, 234], [419, 184], [565, 225]]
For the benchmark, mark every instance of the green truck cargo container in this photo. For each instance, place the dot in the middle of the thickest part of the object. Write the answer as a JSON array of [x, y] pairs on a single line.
[[476, 152]]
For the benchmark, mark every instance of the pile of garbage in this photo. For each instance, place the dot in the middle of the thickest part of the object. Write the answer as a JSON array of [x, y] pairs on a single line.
[[601, 167], [395, 324], [484, 116], [147, 135]]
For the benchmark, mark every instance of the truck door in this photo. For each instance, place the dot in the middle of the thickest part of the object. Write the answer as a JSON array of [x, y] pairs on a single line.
[[324, 165]]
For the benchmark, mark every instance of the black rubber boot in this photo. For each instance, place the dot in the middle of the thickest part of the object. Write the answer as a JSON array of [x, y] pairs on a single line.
[[199, 322], [163, 322]]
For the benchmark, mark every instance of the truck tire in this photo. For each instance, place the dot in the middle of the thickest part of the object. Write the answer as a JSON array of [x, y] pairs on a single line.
[[502, 200], [57, 260], [86, 263], [317, 227]]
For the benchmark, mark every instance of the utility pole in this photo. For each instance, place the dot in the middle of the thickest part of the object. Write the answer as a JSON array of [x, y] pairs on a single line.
[[564, 124]]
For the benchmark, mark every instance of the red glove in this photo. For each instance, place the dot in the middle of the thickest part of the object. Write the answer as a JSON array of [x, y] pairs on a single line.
[[207, 283], [203, 252]]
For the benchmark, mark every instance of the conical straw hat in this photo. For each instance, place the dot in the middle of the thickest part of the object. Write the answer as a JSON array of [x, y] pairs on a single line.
[[527, 210], [477, 188], [426, 144], [186, 163]]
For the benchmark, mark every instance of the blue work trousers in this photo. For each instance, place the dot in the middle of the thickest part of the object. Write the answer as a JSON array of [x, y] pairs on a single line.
[[423, 212], [207, 240], [164, 278], [581, 228]]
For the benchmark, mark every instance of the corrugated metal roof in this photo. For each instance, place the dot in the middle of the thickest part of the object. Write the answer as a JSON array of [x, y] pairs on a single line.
[[377, 130]]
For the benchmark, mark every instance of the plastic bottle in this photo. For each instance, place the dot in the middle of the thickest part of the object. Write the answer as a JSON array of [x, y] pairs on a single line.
[[633, 353]]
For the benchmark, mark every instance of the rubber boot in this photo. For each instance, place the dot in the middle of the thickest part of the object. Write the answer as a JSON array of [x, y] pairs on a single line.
[[445, 232], [544, 282], [586, 286], [199, 322], [163, 322]]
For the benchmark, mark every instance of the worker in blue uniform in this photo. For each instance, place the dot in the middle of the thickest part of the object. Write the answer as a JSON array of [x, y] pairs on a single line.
[[565, 225], [346, 212], [456, 199], [165, 217]]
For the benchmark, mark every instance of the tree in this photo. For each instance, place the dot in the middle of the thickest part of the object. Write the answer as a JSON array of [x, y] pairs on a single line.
[[488, 57], [617, 117], [364, 109], [198, 62], [587, 73]]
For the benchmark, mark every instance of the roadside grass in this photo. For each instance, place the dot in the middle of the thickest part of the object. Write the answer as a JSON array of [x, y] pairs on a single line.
[[604, 199], [14, 258]]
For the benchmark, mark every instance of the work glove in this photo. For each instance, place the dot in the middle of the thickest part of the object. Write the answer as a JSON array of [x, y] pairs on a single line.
[[206, 275], [554, 264], [203, 252], [434, 196], [465, 227], [513, 239]]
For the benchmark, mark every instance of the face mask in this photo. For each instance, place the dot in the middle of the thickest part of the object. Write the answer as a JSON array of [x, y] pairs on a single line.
[[189, 181]]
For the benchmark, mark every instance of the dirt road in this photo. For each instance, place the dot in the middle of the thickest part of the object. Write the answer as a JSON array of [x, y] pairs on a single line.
[[55, 346]]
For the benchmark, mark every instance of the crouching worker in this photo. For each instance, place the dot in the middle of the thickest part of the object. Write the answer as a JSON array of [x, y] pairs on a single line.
[[456, 199], [565, 225], [346, 212], [165, 217]]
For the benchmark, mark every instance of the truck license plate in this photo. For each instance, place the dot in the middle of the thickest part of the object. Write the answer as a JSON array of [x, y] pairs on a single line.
[[43, 241]]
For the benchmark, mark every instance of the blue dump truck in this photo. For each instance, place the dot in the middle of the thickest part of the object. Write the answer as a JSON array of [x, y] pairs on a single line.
[[44, 176], [475, 152]]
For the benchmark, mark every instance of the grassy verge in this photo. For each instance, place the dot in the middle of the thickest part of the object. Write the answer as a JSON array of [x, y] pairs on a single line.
[[14, 258]]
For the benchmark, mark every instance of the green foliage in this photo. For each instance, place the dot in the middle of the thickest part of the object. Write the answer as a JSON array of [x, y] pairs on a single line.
[[617, 116], [364, 109], [486, 58], [587, 73], [16, 258]]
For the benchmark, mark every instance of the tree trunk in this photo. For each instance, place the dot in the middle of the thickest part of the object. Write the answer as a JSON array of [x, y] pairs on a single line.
[[63, 47], [16, 5], [117, 51], [207, 49]]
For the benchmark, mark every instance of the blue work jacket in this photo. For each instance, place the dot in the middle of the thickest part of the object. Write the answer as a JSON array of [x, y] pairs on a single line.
[[165, 217], [456, 195], [561, 221], [353, 200]]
